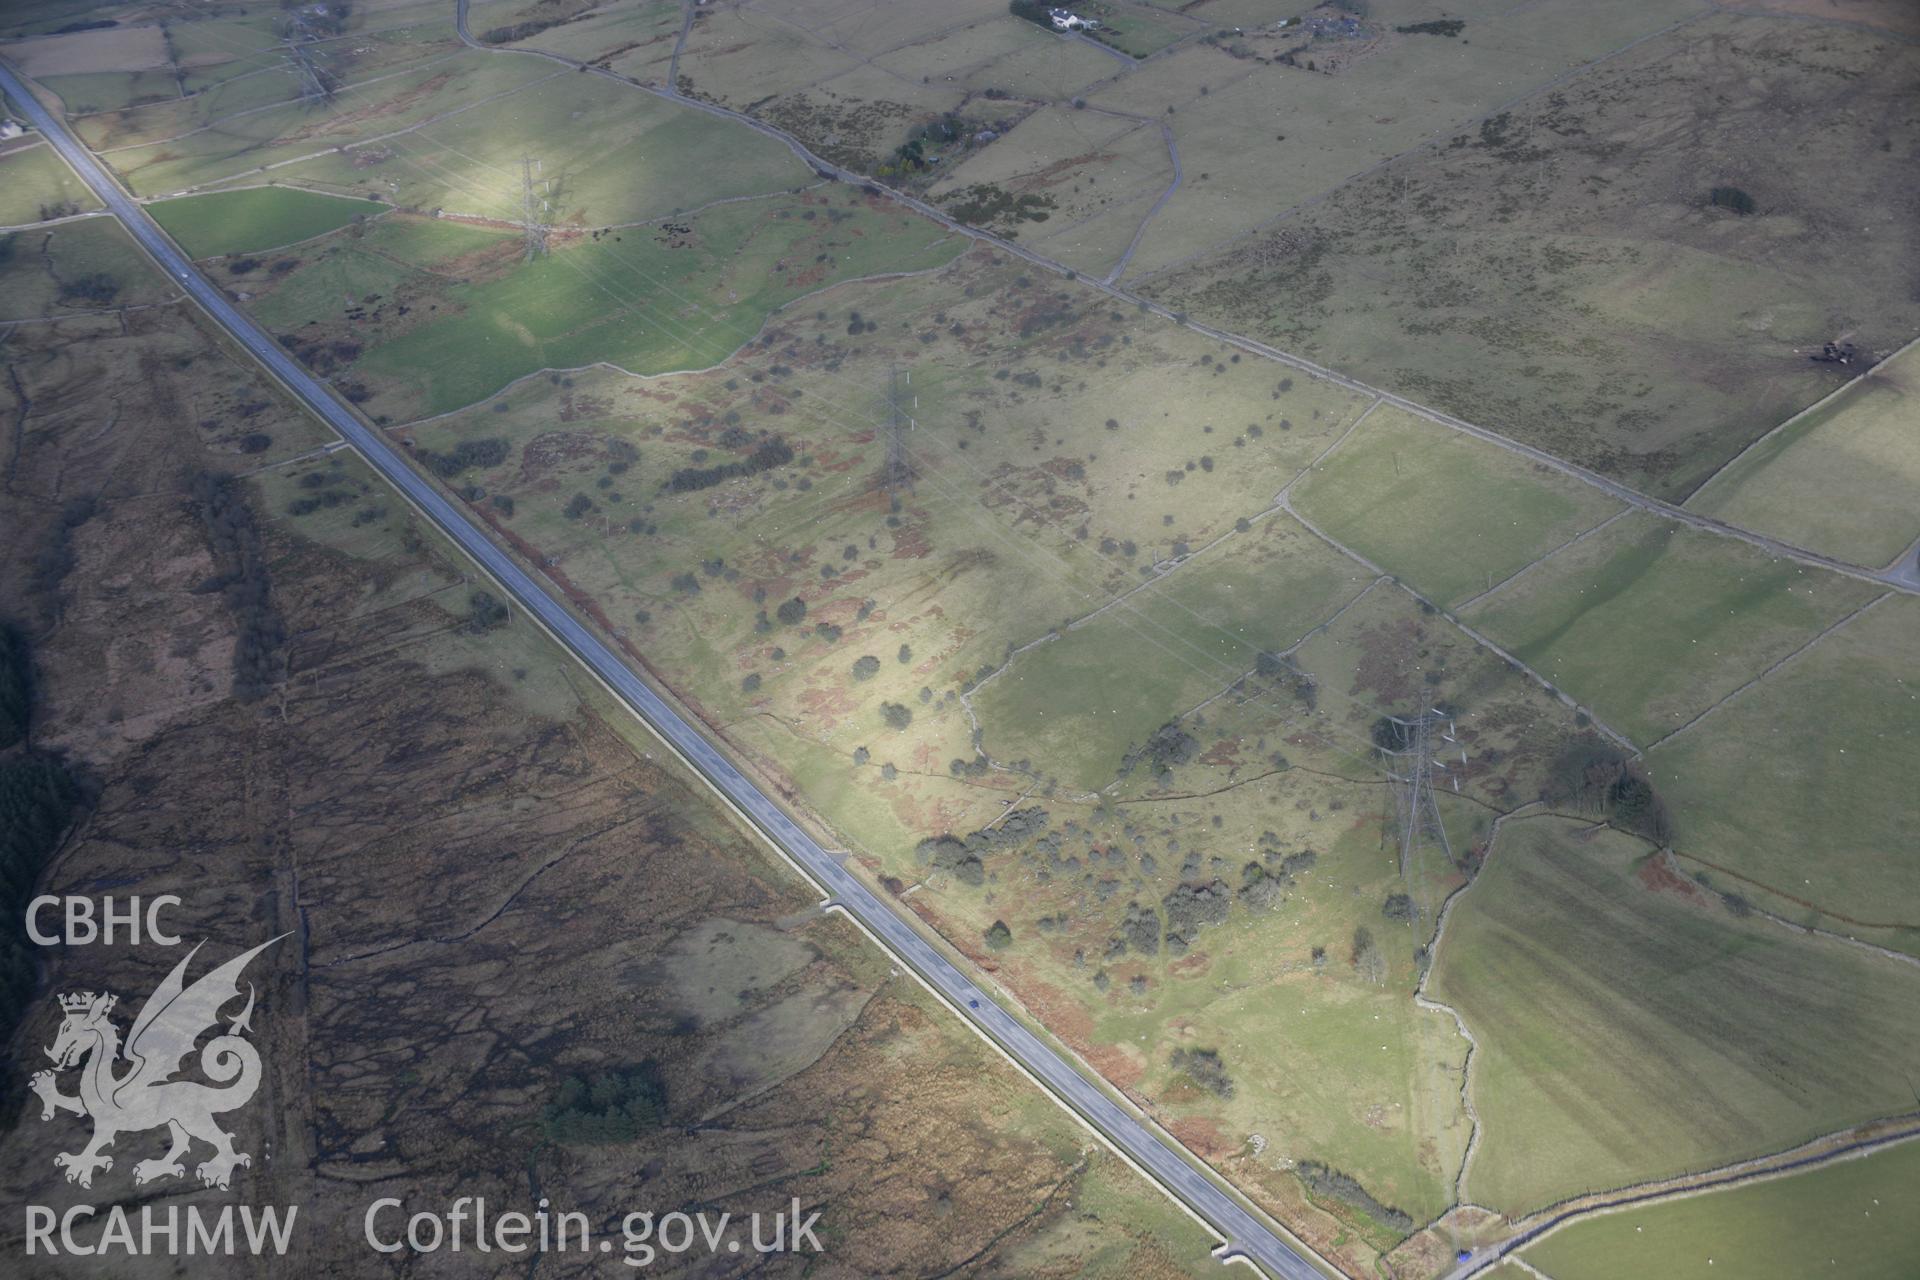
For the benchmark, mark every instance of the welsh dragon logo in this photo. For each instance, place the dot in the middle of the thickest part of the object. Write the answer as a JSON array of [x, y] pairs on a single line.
[[145, 1095]]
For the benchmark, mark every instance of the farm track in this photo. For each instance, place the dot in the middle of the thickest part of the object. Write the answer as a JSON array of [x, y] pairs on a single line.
[[1140, 233], [55, 222], [1906, 566]]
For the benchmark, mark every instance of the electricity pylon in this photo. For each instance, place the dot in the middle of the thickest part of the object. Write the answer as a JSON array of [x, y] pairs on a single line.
[[313, 85], [536, 232], [1412, 770], [898, 472]]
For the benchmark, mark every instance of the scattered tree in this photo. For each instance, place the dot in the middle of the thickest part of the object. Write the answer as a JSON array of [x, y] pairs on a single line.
[[1205, 1069], [1732, 198], [484, 613], [16, 685], [242, 581], [1368, 962], [614, 1106]]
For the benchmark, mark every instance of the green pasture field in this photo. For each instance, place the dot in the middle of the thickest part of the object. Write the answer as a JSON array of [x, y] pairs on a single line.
[[1841, 478], [639, 34], [395, 252], [1632, 1026], [646, 302], [1137, 30], [122, 43], [606, 155], [247, 144], [1798, 785], [1449, 514], [173, 116], [1508, 1270], [85, 93], [74, 266], [1559, 272], [221, 40], [33, 180], [1650, 623], [255, 219], [214, 47], [266, 61], [240, 75], [1852, 1219], [1079, 702]]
